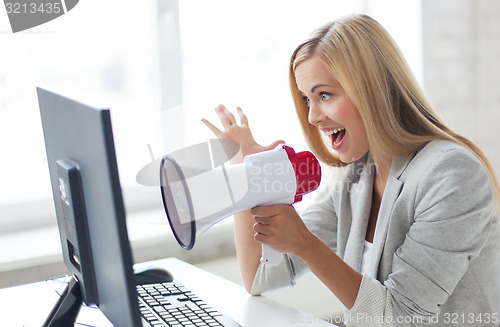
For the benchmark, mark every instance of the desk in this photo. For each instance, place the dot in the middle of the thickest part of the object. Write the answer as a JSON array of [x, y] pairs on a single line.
[[28, 305]]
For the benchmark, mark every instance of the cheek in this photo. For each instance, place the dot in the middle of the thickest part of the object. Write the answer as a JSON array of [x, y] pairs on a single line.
[[349, 116], [357, 125], [343, 112]]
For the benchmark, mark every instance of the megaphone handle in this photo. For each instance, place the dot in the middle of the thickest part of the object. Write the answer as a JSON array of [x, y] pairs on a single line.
[[270, 256]]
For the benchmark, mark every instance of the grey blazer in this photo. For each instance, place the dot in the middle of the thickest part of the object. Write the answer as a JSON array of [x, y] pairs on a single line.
[[436, 248]]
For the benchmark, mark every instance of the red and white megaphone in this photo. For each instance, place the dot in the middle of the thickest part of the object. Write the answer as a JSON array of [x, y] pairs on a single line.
[[195, 199]]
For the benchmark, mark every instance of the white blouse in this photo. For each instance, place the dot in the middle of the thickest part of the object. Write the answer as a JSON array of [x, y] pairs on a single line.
[[366, 261]]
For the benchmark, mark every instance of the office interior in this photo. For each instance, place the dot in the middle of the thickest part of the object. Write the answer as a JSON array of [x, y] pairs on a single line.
[[162, 65]]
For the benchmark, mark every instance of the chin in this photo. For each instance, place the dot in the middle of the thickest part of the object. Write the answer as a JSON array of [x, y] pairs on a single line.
[[348, 158]]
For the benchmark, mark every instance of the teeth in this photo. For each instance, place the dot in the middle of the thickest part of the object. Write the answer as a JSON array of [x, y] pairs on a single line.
[[335, 131]]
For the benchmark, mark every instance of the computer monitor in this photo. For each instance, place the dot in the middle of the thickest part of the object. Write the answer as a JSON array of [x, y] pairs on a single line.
[[90, 210]]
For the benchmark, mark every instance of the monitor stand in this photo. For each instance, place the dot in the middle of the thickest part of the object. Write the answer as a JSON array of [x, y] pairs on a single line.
[[67, 307]]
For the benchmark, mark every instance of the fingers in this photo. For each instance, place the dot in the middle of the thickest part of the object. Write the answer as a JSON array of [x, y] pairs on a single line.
[[263, 212], [243, 117], [233, 131], [261, 232], [227, 119], [275, 144], [212, 127], [262, 217], [225, 116]]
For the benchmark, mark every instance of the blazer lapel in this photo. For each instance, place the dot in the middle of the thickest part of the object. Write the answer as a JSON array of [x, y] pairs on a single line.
[[391, 193], [360, 203]]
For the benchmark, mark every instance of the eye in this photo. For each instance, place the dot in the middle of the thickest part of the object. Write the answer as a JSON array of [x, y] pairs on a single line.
[[325, 96], [307, 101]]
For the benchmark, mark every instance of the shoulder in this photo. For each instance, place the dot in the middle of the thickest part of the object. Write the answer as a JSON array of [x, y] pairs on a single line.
[[446, 172], [443, 155]]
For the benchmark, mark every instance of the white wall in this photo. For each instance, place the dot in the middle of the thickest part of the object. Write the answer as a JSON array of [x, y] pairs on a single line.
[[461, 41]]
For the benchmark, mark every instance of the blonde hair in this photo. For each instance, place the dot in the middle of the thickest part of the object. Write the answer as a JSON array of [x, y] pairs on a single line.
[[368, 64]]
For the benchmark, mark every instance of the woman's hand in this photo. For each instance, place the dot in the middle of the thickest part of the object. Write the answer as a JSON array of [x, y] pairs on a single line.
[[281, 227], [239, 133]]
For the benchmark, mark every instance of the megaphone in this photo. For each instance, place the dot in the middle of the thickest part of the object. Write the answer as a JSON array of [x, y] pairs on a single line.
[[195, 198]]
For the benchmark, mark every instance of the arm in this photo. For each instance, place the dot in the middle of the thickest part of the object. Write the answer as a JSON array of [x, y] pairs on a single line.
[[320, 218], [248, 250], [339, 277]]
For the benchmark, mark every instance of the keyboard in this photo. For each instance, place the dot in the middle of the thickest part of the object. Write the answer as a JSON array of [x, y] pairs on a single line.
[[172, 304]]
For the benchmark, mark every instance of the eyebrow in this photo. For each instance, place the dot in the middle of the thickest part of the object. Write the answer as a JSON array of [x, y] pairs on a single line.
[[316, 86], [319, 85]]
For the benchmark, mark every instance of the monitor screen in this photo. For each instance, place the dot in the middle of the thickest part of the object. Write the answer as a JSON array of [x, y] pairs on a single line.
[[87, 195]]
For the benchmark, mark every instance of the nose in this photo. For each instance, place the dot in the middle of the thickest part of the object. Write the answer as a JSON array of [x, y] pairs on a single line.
[[315, 115]]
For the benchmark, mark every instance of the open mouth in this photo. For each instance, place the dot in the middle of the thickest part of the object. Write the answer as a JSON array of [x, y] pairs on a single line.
[[337, 136]]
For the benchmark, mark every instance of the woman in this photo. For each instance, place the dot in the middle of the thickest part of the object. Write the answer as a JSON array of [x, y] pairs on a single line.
[[410, 233]]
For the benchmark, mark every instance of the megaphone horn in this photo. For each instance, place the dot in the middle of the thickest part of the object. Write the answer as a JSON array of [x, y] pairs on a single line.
[[196, 201]]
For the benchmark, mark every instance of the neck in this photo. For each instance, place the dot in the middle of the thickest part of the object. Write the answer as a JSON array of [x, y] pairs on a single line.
[[382, 168]]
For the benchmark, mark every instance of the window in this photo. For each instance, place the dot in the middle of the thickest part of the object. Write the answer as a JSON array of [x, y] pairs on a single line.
[[94, 54]]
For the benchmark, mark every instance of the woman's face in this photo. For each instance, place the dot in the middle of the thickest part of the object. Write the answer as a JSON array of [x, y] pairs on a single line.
[[331, 110]]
